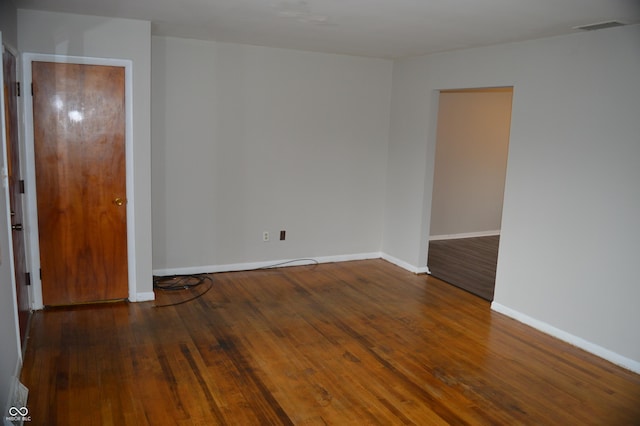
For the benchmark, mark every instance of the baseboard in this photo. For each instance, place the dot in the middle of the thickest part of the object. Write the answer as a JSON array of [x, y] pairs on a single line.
[[592, 348], [464, 235], [209, 269], [405, 265]]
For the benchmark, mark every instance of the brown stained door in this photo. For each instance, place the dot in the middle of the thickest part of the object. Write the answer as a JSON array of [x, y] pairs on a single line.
[[15, 190], [79, 141]]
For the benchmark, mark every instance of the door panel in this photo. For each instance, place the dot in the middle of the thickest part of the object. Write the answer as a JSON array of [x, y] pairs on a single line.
[[79, 142], [15, 192]]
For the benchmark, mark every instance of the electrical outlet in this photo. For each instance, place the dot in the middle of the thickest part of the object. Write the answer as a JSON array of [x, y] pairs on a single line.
[[265, 236], [283, 235]]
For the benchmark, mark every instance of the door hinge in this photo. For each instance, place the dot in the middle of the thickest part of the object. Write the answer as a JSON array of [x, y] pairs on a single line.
[[31, 89], [17, 88], [28, 278], [21, 184], [40, 274]]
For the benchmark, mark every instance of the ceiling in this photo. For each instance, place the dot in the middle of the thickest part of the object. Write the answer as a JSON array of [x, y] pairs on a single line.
[[376, 28]]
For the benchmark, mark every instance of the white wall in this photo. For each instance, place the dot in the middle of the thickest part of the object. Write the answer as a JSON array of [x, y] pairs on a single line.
[[470, 162], [251, 139], [10, 357], [89, 36], [569, 245]]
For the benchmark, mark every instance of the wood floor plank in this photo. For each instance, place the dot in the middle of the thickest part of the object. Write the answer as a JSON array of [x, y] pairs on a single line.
[[356, 343]]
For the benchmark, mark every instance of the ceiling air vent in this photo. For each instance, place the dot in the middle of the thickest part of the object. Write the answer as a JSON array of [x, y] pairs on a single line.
[[599, 25]]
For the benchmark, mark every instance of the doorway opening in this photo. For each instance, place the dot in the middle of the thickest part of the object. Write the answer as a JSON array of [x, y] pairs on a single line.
[[468, 187]]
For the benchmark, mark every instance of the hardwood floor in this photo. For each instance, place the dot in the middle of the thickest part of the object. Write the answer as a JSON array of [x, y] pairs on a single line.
[[468, 263], [349, 343]]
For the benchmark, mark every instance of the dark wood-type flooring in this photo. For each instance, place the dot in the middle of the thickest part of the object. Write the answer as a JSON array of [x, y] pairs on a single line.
[[468, 263], [350, 343]]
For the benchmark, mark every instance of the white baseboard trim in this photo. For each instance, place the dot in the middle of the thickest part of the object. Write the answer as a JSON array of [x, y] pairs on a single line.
[[464, 235], [210, 269], [145, 296], [597, 350], [405, 265]]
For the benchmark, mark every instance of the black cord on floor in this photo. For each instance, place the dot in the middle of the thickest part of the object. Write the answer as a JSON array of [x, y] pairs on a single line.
[[181, 282], [184, 282]]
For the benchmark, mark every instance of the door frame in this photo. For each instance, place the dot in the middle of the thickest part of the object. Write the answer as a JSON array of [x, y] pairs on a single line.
[[7, 251], [31, 212], [16, 283]]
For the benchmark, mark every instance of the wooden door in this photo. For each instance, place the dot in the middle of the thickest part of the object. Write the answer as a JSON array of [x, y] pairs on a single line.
[[79, 142], [15, 190]]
